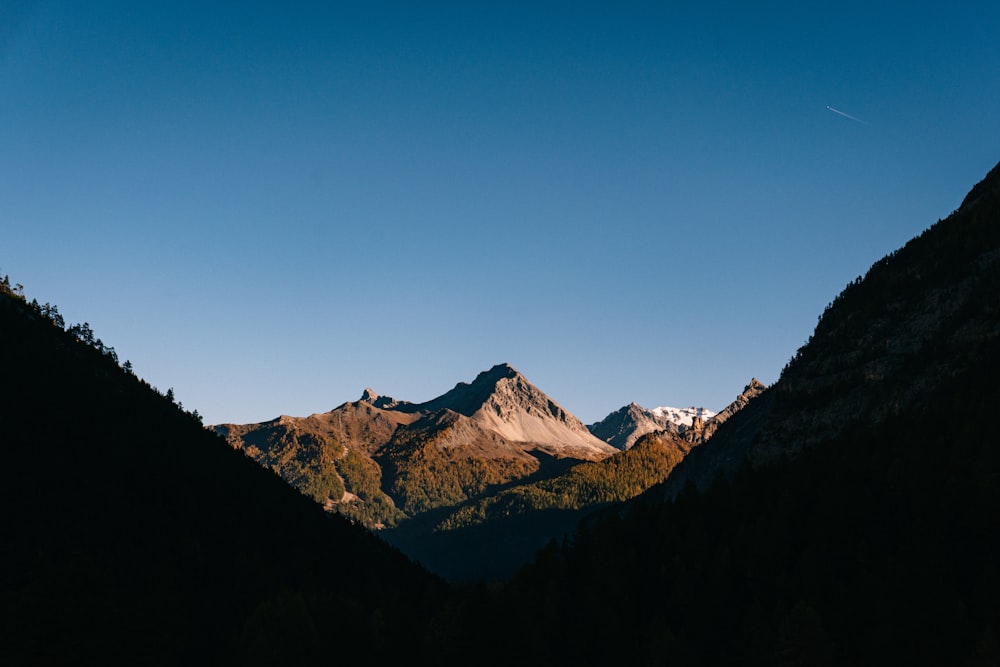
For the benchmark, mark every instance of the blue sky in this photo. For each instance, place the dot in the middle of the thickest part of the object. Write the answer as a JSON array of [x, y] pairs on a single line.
[[270, 206]]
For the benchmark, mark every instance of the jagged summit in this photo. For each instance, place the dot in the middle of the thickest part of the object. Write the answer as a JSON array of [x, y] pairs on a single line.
[[498, 371], [384, 402], [503, 401], [464, 398], [380, 460], [623, 428], [467, 398]]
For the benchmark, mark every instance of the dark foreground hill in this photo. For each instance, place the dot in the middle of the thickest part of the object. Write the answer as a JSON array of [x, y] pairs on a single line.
[[847, 516], [920, 317], [130, 534]]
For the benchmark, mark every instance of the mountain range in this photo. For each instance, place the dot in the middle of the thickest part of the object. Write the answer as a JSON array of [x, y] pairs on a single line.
[[625, 426], [845, 515], [497, 450], [417, 457]]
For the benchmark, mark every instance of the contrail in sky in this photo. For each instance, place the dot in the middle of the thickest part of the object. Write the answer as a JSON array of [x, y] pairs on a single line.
[[847, 115]]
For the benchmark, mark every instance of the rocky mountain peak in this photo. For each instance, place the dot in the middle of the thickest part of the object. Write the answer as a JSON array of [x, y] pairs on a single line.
[[623, 428], [383, 402], [505, 402], [516, 393], [468, 398], [753, 389], [498, 372]]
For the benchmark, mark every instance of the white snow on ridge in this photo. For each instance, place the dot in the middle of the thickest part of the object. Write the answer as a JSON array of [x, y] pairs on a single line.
[[683, 416]]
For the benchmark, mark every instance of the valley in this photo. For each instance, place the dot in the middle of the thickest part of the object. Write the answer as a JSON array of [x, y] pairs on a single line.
[[845, 515], [495, 451]]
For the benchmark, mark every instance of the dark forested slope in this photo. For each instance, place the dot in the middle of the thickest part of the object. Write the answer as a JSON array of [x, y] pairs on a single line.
[[132, 534], [857, 521], [919, 317]]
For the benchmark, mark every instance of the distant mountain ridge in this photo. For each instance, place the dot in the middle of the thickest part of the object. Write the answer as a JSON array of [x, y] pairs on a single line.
[[494, 448], [379, 460], [623, 428]]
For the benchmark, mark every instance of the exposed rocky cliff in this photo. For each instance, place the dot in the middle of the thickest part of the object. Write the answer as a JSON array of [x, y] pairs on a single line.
[[622, 428], [753, 389], [379, 460]]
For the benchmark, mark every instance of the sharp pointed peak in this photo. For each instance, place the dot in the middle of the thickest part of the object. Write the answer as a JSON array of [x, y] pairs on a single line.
[[370, 397], [466, 398], [503, 370], [491, 377]]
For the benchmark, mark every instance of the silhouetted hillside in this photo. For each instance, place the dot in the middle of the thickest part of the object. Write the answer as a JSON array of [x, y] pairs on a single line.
[[863, 533], [919, 317], [132, 534]]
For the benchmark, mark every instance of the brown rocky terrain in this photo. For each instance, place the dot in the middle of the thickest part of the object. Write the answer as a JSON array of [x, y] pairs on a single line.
[[379, 460], [623, 428], [472, 482]]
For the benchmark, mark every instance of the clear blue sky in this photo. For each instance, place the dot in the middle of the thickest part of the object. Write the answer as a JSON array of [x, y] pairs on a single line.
[[269, 206]]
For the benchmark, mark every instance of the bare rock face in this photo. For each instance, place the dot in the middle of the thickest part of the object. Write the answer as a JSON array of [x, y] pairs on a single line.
[[380, 459], [753, 389], [383, 402], [623, 428], [520, 412]]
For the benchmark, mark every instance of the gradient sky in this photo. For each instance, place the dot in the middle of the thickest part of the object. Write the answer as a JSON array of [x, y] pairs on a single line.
[[270, 206]]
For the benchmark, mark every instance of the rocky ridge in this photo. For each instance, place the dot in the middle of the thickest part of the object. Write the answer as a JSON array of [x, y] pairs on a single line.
[[379, 460], [473, 482], [917, 318], [623, 428]]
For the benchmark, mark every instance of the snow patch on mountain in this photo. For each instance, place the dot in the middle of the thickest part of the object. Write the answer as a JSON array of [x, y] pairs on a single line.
[[683, 416]]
